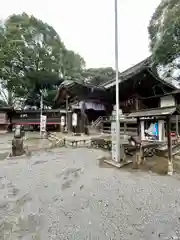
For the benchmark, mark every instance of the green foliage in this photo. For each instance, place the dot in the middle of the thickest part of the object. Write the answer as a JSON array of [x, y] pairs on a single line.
[[97, 76], [44, 82], [74, 65], [33, 58], [3, 103], [164, 32]]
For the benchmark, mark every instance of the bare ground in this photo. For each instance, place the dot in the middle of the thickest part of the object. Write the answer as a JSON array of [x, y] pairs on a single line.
[[64, 194]]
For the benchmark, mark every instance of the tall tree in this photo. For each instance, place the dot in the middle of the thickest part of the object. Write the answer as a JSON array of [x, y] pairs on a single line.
[[164, 32], [73, 65], [31, 50]]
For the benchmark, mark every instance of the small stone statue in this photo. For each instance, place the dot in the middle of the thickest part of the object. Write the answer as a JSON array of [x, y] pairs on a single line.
[[17, 142]]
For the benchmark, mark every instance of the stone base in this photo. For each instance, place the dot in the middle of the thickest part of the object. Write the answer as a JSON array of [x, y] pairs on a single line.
[[10, 157], [138, 160], [170, 169], [17, 147], [115, 164]]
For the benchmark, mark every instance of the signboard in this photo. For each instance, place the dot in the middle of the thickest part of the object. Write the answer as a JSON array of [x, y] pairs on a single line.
[[62, 121], [74, 119], [43, 123], [113, 139], [114, 136], [152, 132], [128, 103], [167, 101]]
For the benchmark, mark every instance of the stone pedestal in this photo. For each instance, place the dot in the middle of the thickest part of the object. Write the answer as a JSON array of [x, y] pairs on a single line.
[[17, 147], [170, 168]]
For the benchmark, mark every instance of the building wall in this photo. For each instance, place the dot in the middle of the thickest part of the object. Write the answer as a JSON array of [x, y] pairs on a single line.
[[3, 121], [167, 101], [89, 105], [34, 118], [136, 103]]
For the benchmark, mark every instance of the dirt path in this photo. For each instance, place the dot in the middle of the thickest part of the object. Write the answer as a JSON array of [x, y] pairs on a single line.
[[64, 194]]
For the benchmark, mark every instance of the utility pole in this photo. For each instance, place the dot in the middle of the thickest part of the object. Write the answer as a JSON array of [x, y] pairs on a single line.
[[117, 84]]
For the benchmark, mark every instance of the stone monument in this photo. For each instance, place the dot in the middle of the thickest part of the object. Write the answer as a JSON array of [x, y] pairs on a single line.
[[17, 142], [113, 135]]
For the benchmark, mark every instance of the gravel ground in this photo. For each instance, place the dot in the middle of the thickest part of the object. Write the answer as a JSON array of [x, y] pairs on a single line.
[[64, 194]]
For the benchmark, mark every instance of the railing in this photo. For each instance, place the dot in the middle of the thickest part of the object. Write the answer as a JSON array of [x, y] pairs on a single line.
[[132, 131], [97, 122]]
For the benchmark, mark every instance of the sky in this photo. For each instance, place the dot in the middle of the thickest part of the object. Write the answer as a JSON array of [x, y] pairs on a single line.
[[87, 26]]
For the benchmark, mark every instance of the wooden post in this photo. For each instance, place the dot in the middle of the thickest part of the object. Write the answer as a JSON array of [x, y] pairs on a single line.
[[177, 125], [125, 128], [78, 128], [169, 141], [161, 130], [83, 108], [138, 127], [82, 123], [69, 121], [67, 106], [62, 123], [136, 103], [142, 130]]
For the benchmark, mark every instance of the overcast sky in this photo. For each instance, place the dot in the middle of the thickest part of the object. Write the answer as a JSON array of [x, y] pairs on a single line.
[[87, 26]]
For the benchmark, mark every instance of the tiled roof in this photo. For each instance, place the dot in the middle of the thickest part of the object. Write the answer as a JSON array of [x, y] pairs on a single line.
[[130, 72]]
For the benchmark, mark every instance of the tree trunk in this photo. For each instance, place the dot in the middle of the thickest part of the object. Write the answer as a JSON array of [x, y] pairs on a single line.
[[10, 98]]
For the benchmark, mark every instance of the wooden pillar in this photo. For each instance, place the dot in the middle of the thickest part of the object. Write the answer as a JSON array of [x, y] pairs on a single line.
[[169, 142], [74, 122], [63, 122], [83, 109], [78, 128], [69, 121], [125, 128], [136, 103], [161, 130], [138, 127], [82, 127], [142, 129], [177, 125], [66, 125]]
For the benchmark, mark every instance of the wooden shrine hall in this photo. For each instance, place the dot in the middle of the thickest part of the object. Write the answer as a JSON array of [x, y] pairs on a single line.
[[139, 88]]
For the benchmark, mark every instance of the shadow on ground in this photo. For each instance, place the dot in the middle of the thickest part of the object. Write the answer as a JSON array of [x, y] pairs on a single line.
[[155, 164]]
